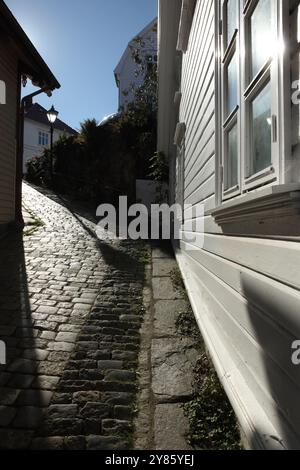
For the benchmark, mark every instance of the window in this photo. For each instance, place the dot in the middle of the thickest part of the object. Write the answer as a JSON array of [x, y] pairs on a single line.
[[43, 138], [249, 94]]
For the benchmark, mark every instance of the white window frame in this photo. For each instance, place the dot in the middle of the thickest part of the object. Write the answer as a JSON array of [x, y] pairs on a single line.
[[246, 93], [43, 139]]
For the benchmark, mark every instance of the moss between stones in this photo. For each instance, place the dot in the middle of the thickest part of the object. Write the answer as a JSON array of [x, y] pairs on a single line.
[[213, 424], [34, 225], [145, 255]]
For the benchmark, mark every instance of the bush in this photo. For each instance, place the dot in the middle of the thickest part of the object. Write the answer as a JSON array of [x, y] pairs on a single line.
[[38, 169], [103, 162]]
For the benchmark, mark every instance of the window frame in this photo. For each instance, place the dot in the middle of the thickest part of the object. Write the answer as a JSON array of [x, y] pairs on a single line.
[[247, 91], [233, 118], [43, 138]]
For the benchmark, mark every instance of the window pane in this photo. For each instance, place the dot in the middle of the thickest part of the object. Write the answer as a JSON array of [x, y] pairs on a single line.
[[261, 130], [231, 165], [231, 19], [261, 36], [232, 85]]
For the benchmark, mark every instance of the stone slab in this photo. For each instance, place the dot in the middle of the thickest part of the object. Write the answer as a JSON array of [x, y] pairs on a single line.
[[173, 361], [166, 313], [163, 266], [170, 428], [163, 289]]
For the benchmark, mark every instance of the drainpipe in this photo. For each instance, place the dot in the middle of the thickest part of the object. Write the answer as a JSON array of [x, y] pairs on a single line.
[[27, 100]]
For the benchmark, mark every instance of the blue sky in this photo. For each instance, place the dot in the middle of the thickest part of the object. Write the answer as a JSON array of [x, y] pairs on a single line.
[[82, 42]]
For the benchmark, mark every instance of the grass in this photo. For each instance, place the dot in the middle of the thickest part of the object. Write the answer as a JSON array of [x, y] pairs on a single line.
[[186, 325], [145, 255], [33, 226], [178, 283], [213, 424]]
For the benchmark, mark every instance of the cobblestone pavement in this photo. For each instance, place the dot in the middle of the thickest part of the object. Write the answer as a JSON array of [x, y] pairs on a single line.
[[70, 314]]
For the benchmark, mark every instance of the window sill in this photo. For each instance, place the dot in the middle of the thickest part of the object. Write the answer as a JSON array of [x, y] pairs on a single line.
[[269, 202]]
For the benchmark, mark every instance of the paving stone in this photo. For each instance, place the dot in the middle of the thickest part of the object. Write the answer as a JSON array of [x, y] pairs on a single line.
[[36, 354], [162, 252], [86, 396], [110, 365], [62, 411], [119, 398], [61, 398], [8, 396], [4, 378], [87, 345], [116, 426], [47, 310], [7, 414], [21, 380], [82, 307], [163, 289], [124, 355], [48, 335], [69, 328], [58, 356], [24, 366], [163, 267], [40, 398], [123, 412], [66, 337], [45, 382], [61, 346], [48, 443], [26, 333], [166, 313], [61, 427], [171, 428], [106, 443], [28, 417], [95, 410], [51, 368], [120, 376], [172, 368], [75, 443], [13, 439], [84, 300]]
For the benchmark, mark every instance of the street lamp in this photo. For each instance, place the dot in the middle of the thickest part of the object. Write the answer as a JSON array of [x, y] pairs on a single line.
[[52, 116]]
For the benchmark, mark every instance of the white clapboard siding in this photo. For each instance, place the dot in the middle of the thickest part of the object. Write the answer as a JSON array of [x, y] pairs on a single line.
[[295, 76], [8, 73], [242, 278]]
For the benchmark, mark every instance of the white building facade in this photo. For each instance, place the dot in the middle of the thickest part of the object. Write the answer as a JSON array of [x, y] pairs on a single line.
[[128, 74], [37, 132], [229, 93]]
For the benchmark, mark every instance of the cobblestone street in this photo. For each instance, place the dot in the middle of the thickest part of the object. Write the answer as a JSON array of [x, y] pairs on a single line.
[[70, 314]]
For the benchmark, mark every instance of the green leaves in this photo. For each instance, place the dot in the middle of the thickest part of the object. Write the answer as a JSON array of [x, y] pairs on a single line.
[[159, 167]]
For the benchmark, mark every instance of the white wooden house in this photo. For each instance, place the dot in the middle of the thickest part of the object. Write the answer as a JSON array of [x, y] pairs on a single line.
[[228, 93], [37, 132], [128, 74], [19, 60]]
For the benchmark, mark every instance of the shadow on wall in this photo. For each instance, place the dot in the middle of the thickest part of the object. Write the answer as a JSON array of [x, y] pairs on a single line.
[[19, 382], [274, 328]]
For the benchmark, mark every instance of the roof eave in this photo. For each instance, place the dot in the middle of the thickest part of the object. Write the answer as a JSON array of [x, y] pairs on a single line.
[[37, 66]]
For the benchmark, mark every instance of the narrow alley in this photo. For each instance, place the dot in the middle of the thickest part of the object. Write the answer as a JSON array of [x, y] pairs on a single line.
[[70, 316]]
